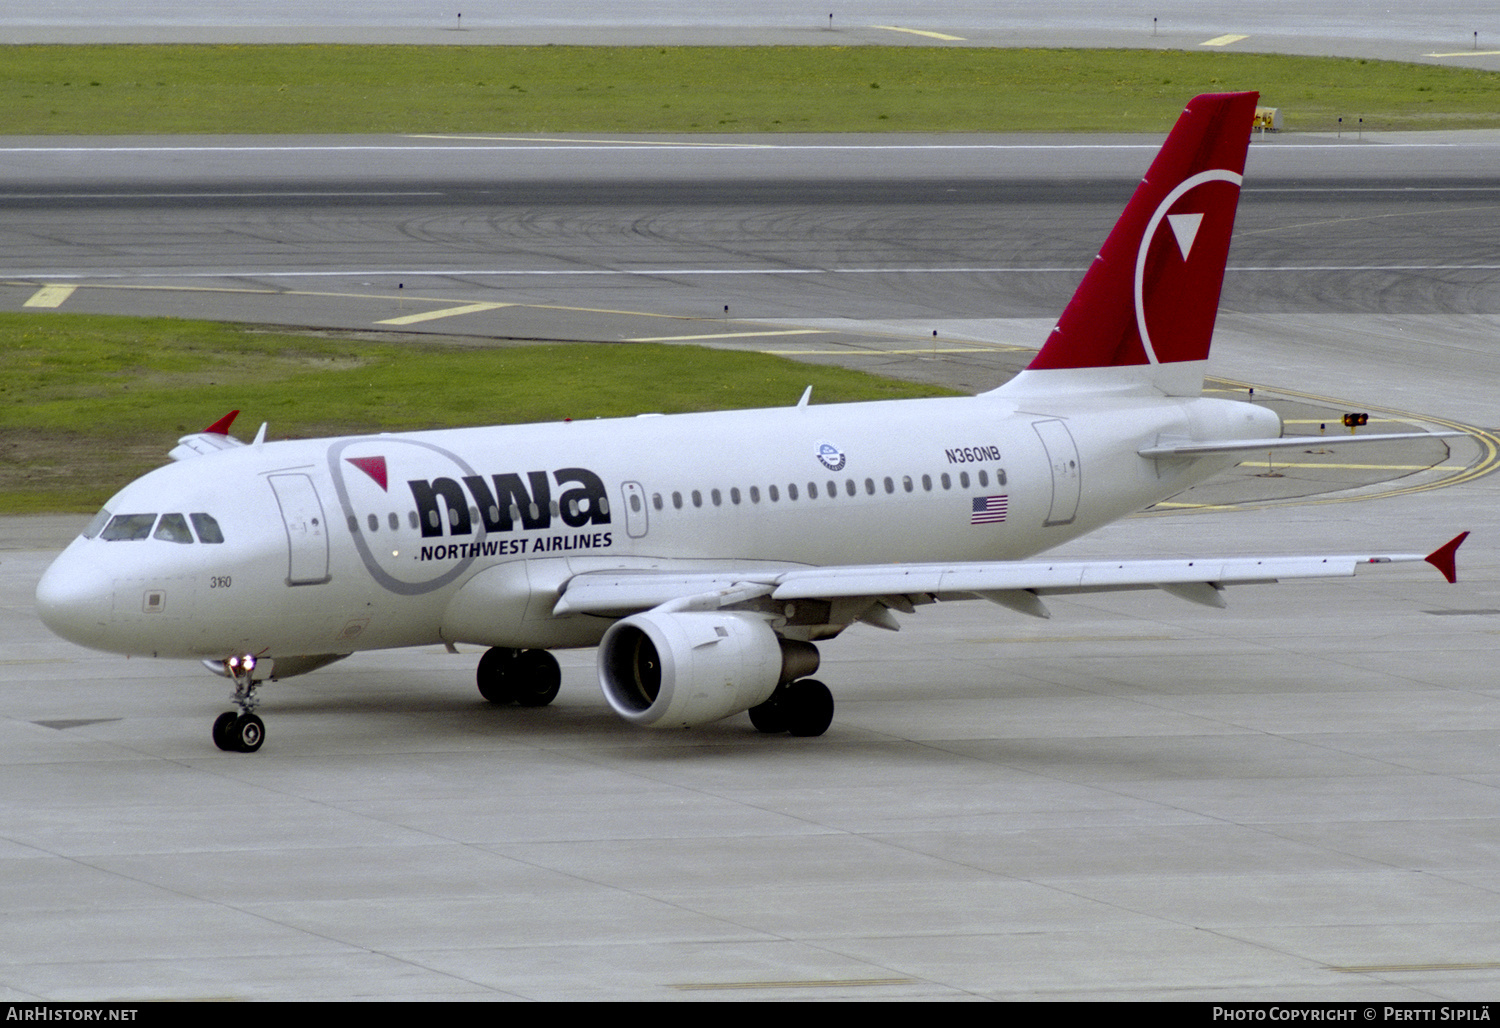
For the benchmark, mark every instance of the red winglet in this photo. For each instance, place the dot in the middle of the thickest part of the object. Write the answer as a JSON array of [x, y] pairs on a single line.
[[221, 427], [1444, 557]]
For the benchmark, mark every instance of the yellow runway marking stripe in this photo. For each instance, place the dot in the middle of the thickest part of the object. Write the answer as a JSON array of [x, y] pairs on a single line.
[[1468, 53], [446, 312], [50, 296], [731, 335], [1222, 40], [919, 32]]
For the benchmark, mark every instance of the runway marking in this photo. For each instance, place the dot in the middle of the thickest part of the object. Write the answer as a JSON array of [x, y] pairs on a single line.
[[446, 312], [603, 142], [733, 335], [1468, 53], [56, 273], [1222, 40], [831, 983], [920, 32], [50, 296]]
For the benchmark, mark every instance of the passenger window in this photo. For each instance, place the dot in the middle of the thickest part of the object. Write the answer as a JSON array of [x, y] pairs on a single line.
[[963, 479], [984, 479], [173, 528], [128, 526]]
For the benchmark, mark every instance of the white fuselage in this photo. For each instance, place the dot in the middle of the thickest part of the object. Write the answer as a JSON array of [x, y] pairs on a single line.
[[467, 535]]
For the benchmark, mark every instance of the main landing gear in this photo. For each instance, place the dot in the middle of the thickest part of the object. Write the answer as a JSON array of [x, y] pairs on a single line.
[[242, 731], [803, 708], [530, 678]]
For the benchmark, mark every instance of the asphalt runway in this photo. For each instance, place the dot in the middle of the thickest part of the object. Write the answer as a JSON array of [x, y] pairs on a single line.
[[1297, 798]]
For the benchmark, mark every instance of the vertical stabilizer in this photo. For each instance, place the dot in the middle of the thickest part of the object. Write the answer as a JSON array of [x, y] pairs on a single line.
[[1143, 317]]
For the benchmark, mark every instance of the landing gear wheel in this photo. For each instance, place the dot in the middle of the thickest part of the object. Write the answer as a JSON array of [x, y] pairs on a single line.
[[223, 725], [770, 716], [809, 708], [242, 731], [247, 733], [537, 678], [496, 675]]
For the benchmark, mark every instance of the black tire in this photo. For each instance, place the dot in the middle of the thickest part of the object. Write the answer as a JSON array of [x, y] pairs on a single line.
[[770, 716], [223, 727], [537, 678], [496, 675], [248, 733], [809, 708]]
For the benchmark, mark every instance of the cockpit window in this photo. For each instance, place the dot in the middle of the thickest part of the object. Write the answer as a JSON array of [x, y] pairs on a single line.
[[128, 526], [173, 528], [97, 522], [208, 528]]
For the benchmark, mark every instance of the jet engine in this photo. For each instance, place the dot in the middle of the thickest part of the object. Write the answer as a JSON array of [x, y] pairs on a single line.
[[673, 670]]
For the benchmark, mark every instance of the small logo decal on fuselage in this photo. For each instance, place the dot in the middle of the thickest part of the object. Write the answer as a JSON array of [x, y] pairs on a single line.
[[831, 457]]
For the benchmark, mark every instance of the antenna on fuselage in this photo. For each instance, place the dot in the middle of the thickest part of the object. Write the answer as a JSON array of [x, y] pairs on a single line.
[[260, 436], [806, 395]]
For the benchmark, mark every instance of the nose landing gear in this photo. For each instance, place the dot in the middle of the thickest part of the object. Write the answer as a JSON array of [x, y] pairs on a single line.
[[242, 731]]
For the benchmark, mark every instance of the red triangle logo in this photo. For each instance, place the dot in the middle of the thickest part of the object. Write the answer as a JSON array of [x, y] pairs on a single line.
[[372, 466]]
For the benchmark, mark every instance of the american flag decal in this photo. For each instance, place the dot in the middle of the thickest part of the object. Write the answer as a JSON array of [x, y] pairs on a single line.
[[989, 510]]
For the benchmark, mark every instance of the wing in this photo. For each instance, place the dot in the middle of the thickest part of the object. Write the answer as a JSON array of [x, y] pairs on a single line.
[[1018, 585]]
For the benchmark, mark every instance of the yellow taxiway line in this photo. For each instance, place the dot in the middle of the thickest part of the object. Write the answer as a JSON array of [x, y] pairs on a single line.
[[50, 296], [446, 312], [919, 32]]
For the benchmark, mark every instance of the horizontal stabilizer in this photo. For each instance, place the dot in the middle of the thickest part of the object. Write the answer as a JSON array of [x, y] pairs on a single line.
[[1291, 442], [212, 439]]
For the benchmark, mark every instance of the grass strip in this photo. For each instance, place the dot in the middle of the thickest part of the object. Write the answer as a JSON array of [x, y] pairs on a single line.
[[89, 402], [168, 89]]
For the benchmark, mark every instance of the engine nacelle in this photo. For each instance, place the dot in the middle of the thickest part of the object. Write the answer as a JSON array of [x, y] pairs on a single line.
[[672, 670]]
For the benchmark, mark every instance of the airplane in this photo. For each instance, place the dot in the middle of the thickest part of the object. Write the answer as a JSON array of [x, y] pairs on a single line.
[[707, 555]]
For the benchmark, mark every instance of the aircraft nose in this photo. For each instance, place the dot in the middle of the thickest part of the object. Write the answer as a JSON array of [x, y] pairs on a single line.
[[74, 601]]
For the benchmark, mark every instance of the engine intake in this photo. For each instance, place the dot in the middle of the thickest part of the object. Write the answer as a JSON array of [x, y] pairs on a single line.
[[673, 670]]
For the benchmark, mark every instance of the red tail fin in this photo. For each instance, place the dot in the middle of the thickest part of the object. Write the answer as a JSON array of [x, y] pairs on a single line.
[[1149, 299]]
